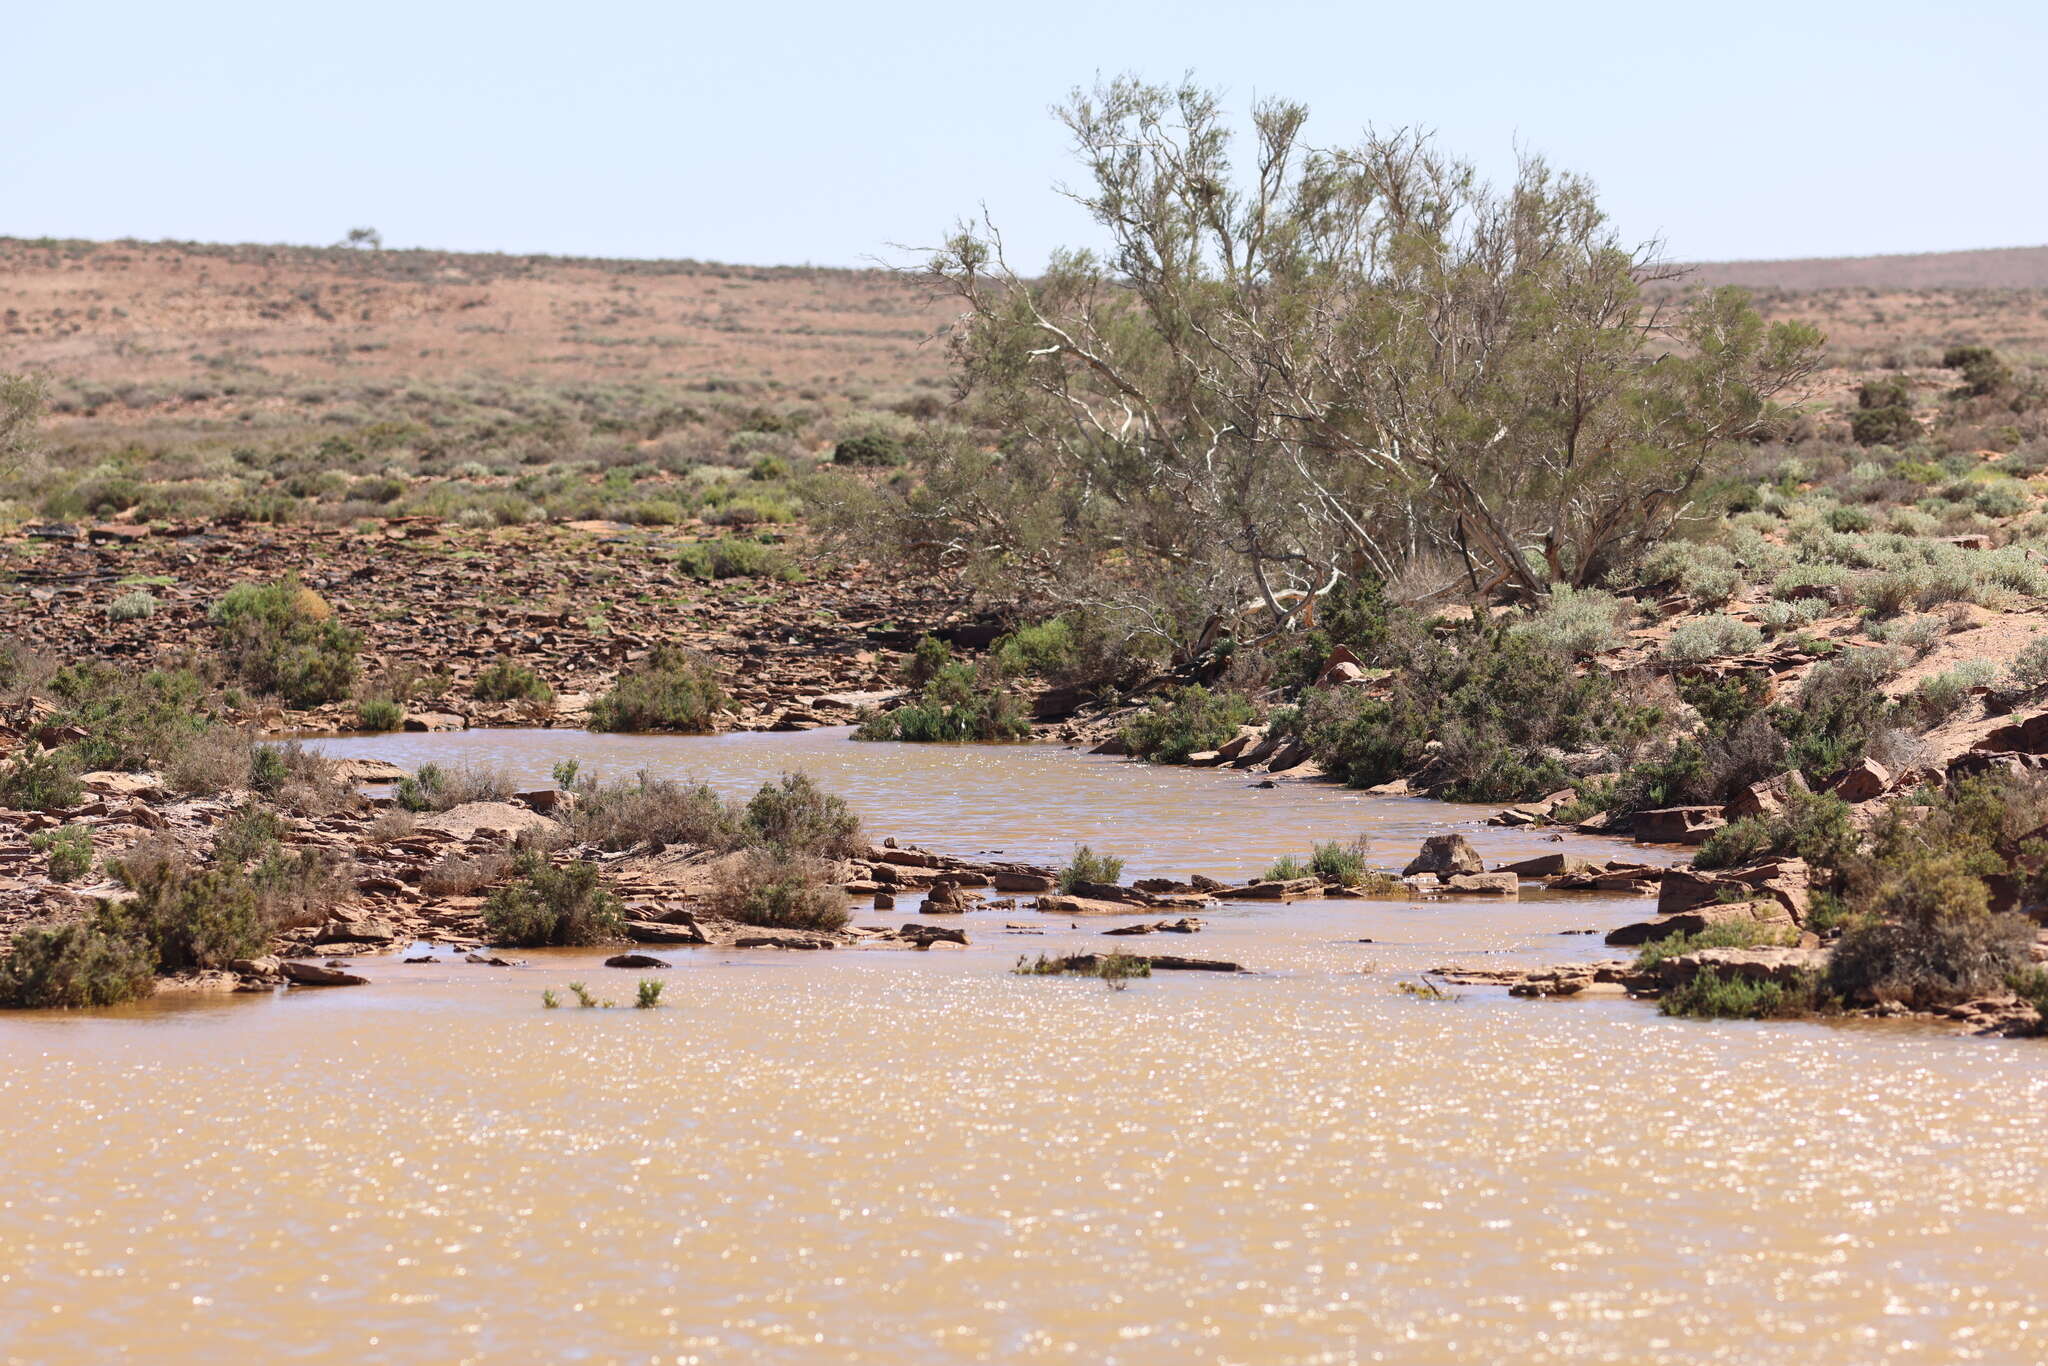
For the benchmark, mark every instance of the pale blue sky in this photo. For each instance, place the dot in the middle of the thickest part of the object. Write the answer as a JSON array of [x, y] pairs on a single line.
[[778, 133]]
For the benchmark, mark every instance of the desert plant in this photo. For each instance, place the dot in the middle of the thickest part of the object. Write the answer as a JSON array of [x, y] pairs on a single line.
[[379, 713], [1190, 720], [37, 779], [1710, 996], [1711, 638], [958, 703], [646, 809], [1343, 864], [73, 966], [550, 905], [69, 848], [1088, 866], [792, 815], [136, 605], [672, 689], [783, 892], [509, 681], [1286, 868], [282, 638], [650, 994]]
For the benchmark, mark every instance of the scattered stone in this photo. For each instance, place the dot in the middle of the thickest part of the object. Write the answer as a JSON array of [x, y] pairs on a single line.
[[1445, 854], [314, 975]]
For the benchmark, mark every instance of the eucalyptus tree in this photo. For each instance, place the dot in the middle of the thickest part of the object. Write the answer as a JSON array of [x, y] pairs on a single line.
[[1331, 362]]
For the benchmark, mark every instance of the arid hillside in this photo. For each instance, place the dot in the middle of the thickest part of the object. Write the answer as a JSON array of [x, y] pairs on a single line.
[[99, 318]]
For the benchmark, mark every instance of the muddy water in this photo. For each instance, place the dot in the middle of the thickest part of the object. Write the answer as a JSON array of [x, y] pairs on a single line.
[[893, 1157]]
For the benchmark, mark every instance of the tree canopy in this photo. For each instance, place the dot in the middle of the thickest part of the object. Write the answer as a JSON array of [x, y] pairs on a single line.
[[1329, 363]]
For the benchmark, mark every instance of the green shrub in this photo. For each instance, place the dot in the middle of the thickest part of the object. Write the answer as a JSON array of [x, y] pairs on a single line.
[[2029, 668], [780, 891], [927, 660], [40, 780], [1726, 934], [73, 966], [1983, 372], [187, 917], [735, 558], [1191, 720], [69, 848], [1810, 825], [873, 448], [1343, 864], [650, 994], [791, 815], [957, 703], [132, 721], [508, 681], [1711, 638], [1088, 866], [1884, 414], [1709, 996], [619, 815], [1286, 868], [672, 689], [282, 638], [138, 605], [379, 713], [1580, 623], [1840, 708], [551, 906], [1048, 649]]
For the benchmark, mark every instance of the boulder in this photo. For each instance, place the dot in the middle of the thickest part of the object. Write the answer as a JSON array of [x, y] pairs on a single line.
[[368, 771], [434, 721], [1060, 904], [1445, 854], [494, 820], [1483, 884], [1766, 798], [1288, 889], [634, 960], [1007, 881], [546, 800], [1677, 824], [111, 784], [314, 975], [1699, 919], [1784, 966], [1554, 865], [661, 932], [1859, 784], [924, 936]]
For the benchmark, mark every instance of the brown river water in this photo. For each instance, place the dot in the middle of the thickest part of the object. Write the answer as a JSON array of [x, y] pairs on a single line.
[[883, 1156]]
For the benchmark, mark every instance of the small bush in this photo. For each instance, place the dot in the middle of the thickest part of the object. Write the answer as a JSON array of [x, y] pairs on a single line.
[[1343, 864], [73, 966], [1088, 866], [735, 558], [870, 449], [1709, 996], [552, 906], [1711, 638], [958, 703], [282, 638], [1812, 826], [650, 994], [379, 713], [2029, 668], [646, 809], [39, 780], [508, 681], [187, 917], [672, 689], [138, 605], [464, 875], [1583, 622], [780, 892], [1286, 868], [69, 848], [791, 815], [1191, 720]]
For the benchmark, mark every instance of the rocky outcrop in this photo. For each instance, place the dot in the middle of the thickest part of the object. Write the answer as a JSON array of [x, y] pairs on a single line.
[[1445, 854]]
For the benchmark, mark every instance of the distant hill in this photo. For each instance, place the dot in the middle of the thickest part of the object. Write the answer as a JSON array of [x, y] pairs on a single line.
[[1994, 268]]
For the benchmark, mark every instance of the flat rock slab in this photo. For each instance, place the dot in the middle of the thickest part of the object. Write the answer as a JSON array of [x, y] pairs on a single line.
[[500, 820], [314, 975]]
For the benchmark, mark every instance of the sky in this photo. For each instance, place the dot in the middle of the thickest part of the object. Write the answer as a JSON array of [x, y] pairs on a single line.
[[839, 134]]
